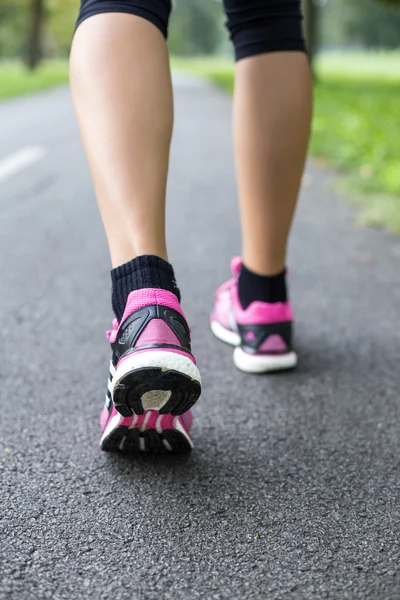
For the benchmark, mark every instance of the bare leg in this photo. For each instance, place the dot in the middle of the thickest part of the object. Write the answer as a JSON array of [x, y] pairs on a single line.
[[272, 116], [121, 87]]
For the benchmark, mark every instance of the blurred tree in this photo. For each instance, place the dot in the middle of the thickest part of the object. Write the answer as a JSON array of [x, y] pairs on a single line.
[[12, 22], [196, 27], [368, 23], [35, 39], [311, 26], [62, 15], [373, 24], [32, 29]]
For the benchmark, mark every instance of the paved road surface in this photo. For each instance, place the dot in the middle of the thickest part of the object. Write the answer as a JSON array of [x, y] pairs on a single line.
[[293, 489]]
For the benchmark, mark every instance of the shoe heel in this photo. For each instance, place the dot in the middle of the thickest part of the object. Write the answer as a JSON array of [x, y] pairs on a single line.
[[164, 381]]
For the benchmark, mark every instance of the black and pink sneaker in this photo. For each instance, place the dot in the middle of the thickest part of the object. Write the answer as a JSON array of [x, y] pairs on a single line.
[[152, 366], [261, 334]]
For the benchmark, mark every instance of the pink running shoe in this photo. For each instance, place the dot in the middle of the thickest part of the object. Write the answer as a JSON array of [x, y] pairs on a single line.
[[151, 432], [262, 333], [152, 366]]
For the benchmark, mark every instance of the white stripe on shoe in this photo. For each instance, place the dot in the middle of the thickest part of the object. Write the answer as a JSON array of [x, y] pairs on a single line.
[[158, 424]]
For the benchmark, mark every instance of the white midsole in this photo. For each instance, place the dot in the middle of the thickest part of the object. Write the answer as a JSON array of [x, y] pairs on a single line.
[[162, 359], [261, 363], [225, 335]]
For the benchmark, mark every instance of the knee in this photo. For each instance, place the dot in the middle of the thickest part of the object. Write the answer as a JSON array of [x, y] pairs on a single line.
[[155, 11], [264, 26]]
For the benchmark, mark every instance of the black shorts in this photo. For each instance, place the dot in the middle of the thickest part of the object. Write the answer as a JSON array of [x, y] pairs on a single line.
[[255, 26]]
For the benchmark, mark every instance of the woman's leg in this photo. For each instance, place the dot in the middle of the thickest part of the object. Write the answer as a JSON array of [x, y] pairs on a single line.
[[272, 115], [121, 87]]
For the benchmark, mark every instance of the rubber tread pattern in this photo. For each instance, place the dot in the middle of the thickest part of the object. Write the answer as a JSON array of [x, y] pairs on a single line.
[[127, 396], [153, 442]]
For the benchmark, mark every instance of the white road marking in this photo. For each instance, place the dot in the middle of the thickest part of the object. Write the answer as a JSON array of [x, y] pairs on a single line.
[[14, 163]]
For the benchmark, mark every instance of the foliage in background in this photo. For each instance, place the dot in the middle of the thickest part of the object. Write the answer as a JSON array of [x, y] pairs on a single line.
[[36, 29], [196, 27], [55, 28], [62, 15], [356, 127], [12, 27], [362, 23], [356, 124]]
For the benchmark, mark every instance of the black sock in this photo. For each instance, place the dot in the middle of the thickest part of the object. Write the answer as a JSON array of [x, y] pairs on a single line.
[[264, 288], [147, 271]]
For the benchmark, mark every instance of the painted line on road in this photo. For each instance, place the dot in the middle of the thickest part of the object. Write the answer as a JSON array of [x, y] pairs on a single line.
[[20, 160]]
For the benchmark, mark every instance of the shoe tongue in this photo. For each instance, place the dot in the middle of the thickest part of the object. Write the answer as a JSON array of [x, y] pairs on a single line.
[[236, 265]]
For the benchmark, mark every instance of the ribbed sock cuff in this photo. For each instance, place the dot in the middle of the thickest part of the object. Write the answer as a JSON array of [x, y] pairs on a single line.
[[261, 288], [147, 271]]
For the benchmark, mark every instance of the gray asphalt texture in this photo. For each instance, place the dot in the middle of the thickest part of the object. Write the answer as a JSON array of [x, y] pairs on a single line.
[[292, 490]]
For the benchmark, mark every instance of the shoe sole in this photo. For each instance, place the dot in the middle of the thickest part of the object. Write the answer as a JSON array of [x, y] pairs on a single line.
[[263, 363], [156, 380], [253, 363], [134, 440], [225, 335]]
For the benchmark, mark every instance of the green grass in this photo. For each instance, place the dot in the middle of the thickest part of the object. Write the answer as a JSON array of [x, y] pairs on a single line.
[[356, 125], [15, 79]]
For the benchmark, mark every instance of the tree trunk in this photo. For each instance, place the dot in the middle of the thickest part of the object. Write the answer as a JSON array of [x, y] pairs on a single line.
[[311, 26], [35, 49]]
